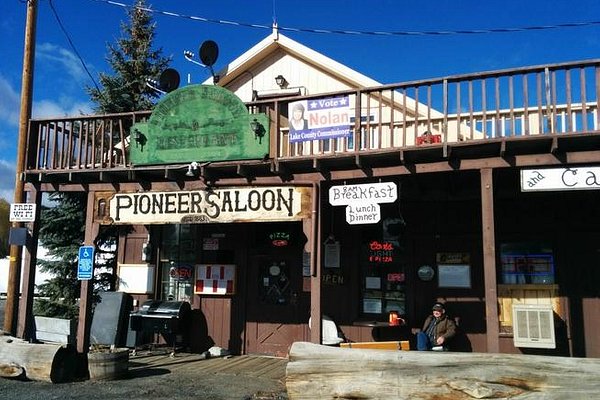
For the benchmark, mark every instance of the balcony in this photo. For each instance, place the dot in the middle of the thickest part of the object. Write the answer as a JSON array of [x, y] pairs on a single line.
[[541, 110]]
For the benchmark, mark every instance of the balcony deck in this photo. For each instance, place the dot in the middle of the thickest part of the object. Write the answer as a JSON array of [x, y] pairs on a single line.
[[538, 115]]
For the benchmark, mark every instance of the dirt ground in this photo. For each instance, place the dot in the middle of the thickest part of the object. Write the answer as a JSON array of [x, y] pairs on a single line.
[[169, 381], [155, 383]]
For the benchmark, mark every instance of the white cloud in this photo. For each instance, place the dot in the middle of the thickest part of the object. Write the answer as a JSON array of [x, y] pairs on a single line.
[[62, 59], [9, 103], [66, 107]]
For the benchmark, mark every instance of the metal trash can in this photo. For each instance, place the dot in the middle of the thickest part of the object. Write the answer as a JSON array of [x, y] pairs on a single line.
[[169, 319]]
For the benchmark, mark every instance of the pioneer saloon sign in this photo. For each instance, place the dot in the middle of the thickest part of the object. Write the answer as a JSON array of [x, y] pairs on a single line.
[[253, 204]]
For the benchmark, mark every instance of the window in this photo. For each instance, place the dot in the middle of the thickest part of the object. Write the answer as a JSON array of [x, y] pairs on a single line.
[[526, 263], [383, 279], [177, 262]]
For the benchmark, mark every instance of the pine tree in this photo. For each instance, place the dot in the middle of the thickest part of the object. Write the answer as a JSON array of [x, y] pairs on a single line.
[[133, 61], [63, 226], [62, 232]]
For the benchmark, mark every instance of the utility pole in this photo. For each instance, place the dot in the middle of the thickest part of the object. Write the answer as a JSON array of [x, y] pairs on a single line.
[[14, 272]]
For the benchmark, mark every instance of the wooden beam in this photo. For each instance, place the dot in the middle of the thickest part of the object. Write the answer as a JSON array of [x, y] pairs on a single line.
[[319, 166], [315, 265], [489, 261], [25, 325], [533, 160], [85, 302]]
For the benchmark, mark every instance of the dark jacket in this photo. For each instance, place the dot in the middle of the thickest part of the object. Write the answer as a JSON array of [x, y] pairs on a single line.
[[445, 326]]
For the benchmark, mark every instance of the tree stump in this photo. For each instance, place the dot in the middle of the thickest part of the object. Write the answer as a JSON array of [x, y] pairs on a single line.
[[39, 361]]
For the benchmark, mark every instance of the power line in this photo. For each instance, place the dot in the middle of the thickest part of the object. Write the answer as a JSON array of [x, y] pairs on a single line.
[[353, 32], [60, 24]]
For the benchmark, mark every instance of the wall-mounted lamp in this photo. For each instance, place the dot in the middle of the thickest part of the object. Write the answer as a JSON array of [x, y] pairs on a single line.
[[192, 168], [258, 129], [281, 81], [147, 250], [139, 138]]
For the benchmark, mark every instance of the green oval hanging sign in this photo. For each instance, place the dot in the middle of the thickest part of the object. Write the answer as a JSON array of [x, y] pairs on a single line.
[[199, 123]]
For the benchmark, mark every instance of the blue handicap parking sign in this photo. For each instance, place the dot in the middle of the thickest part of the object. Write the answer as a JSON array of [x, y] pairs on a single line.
[[85, 265]]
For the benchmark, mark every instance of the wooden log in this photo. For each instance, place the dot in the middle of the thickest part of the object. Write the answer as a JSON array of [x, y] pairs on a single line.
[[323, 372], [40, 361], [10, 371]]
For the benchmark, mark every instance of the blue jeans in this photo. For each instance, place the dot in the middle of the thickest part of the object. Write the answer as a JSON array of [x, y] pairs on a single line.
[[423, 342]]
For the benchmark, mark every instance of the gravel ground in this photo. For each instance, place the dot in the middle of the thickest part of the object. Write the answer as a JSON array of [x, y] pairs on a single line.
[[150, 384]]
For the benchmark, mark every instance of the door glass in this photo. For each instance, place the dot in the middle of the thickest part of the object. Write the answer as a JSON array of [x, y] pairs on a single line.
[[177, 262], [383, 279], [274, 283]]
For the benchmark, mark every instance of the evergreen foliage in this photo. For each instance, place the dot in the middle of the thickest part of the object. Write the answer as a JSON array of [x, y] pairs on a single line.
[[133, 61], [62, 229]]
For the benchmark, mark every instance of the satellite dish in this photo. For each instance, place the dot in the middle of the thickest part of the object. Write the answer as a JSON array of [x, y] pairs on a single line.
[[209, 51], [169, 80]]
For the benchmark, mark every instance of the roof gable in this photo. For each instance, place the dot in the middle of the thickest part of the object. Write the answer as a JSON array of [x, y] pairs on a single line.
[[276, 41]]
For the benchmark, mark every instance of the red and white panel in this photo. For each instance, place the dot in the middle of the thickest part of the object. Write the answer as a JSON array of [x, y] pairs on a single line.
[[215, 279]]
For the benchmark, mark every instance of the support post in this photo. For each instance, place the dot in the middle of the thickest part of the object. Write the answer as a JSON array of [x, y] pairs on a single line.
[[14, 271], [87, 286], [25, 327], [315, 265], [489, 261]]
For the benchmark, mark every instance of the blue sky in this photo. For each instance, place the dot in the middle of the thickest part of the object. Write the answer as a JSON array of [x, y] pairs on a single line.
[[60, 79]]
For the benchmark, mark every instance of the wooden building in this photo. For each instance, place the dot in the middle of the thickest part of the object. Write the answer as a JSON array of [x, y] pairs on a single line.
[[479, 191]]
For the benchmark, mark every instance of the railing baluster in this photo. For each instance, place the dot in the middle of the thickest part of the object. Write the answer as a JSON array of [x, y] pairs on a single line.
[[539, 98], [391, 124], [584, 124], [379, 114], [357, 132], [511, 106], [484, 107], [404, 112], [499, 128], [416, 130], [471, 121], [568, 95], [445, 111], [525, 123], [597, 119], [110, 151], [458, 107], [554, 109]]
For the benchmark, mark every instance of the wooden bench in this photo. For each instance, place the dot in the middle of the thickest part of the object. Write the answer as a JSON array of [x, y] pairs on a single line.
[[391, 345]]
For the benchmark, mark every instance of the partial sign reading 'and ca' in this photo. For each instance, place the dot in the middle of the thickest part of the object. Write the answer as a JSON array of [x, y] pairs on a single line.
[[22, 212]]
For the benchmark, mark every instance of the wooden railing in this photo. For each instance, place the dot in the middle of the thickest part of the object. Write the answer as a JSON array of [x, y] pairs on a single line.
[[557, 99]]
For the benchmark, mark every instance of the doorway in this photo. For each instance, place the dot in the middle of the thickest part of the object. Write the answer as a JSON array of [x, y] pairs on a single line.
[[274, 316]]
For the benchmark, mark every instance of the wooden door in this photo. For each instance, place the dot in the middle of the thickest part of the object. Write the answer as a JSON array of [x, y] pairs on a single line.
[[274, 315]]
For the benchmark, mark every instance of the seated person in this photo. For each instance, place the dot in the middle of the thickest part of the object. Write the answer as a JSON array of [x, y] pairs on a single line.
[[437, 330]]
